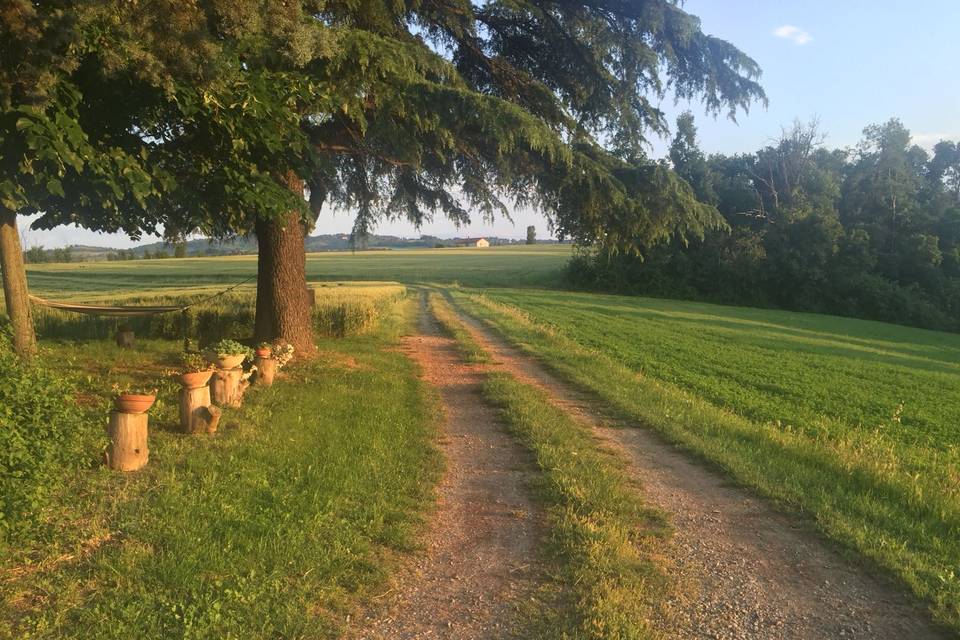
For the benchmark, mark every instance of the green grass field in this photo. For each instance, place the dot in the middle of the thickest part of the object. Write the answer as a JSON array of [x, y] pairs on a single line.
[[518, 265], [853, 424], [274, 527]]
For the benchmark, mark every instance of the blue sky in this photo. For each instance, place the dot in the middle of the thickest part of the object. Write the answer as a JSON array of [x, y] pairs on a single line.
[[848, 62]]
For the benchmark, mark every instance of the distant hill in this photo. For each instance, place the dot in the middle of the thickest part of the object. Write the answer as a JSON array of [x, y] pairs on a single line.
[[242, 246]]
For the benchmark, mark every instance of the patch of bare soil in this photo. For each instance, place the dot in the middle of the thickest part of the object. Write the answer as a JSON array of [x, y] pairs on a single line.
[[742, 569], [482, 541]]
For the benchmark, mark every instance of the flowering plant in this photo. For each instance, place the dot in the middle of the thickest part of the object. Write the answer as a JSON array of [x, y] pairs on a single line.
[[282, 353]]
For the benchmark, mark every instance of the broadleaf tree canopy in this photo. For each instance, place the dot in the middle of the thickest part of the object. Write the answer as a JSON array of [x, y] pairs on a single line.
[[197, 115]]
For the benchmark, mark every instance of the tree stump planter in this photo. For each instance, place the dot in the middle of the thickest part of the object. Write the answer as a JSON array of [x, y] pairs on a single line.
[[195, 379], [225, 387], [197, 415], [126, 339], [266, 370], [128, 441]]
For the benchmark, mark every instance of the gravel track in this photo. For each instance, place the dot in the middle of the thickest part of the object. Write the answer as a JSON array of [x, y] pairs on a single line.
[[482, 541], [742, 569]]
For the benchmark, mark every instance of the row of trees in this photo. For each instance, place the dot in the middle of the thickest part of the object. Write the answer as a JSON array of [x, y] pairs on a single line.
[[225, 117], [870, 231], [36, 254]]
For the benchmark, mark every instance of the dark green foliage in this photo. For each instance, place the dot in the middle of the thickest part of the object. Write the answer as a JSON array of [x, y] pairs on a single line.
[[194, 115], [872, 234], [42, 434]]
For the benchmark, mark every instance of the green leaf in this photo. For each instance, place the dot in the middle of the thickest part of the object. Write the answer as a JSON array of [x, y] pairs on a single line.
[[54, 187]]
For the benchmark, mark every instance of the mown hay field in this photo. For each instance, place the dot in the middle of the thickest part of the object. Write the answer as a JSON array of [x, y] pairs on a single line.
[[516, 265], [854, 424]]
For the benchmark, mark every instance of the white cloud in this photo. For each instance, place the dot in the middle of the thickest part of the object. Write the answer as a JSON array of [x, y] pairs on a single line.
[[796, 35]]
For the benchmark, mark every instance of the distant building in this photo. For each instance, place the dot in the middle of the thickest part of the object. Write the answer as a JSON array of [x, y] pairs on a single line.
[[473, 242]]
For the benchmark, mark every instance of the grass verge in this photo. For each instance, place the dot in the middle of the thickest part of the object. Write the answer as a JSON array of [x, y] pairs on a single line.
[[445, 315], [603, 582], [854, 486], [272, 528]]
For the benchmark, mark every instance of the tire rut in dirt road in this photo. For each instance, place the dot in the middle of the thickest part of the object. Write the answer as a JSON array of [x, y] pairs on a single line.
[[482, 541], [742, 569]]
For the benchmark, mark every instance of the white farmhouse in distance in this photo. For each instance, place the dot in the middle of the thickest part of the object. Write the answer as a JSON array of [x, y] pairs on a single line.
[[473, 242]]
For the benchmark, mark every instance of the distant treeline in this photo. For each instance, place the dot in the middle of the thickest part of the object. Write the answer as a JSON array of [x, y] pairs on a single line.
[[871, 232], [37, 254], [241, 246]]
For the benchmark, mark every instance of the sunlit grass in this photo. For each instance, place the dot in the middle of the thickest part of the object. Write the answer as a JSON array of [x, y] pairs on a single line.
[[274, 527], [603, 579], [850, 423]]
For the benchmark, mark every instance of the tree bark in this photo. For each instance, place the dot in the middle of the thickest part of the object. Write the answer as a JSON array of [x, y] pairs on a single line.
[[197, 415], [224, 387], [283, 309], [15, 292], [266, 370], [128, 450]]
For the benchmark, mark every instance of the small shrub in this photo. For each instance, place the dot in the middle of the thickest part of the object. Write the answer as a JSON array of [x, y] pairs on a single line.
[[42, 434], [228, 347]]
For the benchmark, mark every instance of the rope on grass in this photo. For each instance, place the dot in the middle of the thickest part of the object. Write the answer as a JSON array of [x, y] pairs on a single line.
[[131, 311]]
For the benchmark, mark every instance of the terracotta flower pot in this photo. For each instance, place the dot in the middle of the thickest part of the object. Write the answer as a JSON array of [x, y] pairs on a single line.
[[264, 353], [133, 403], [196, 379], [226, 361]]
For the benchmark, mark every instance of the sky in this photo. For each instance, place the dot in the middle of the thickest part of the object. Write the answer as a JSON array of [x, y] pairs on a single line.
[[850, 63]]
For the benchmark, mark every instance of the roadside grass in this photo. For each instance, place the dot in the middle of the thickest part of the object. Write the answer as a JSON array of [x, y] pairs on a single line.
[[603, 582], [888, 491], [602, 538], [275, 527], [469, 348]]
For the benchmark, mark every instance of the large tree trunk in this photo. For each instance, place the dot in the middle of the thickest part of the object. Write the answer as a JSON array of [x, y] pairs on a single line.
[[283, 310], [15, 292]]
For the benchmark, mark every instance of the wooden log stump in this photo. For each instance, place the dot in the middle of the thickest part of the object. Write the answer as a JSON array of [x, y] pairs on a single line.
[[207, 419], [126, 339], [311, 297], [225, 387], [128, 441], [196, 414], [266, 370], [242, 389]]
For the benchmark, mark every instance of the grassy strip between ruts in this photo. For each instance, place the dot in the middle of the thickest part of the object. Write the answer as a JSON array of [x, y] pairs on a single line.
[[602, 537], [850, 487], [272, 528], [471, 351]]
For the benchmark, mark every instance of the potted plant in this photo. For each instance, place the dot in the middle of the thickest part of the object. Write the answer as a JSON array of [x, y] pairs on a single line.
[[229, 354], [264, 350], [131, 399], [195, 371]]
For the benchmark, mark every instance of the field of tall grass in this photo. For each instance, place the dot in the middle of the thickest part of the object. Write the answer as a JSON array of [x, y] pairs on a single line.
[[853, 424], [342, 309]]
